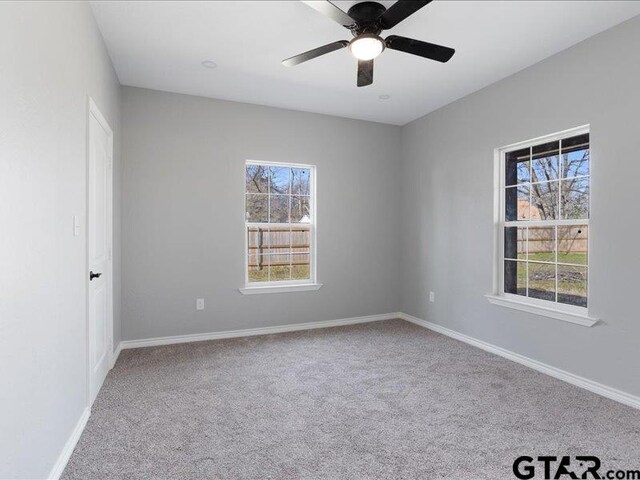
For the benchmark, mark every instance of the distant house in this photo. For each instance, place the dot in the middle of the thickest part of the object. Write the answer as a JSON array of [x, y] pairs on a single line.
[[526, 210]]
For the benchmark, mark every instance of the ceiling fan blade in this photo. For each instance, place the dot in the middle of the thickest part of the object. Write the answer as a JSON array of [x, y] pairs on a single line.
[[417, 47], [401, 10], [365, 72], [328, 9], [316, 52]]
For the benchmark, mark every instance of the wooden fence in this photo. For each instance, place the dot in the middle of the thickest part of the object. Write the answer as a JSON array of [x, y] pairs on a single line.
[[278, 246], [571, 239]]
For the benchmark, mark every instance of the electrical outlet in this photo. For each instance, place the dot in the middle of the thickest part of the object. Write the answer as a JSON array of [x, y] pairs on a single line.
[[199, 303], [432, 297]]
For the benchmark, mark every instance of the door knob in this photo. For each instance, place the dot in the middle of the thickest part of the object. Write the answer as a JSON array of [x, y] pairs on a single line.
[[94, 275]]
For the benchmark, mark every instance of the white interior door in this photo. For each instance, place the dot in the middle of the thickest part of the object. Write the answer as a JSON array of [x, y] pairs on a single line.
[[99, 238]]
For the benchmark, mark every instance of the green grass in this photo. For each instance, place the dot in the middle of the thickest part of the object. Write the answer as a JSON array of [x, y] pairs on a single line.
[[296, 272], [572, 279], [574, 258]]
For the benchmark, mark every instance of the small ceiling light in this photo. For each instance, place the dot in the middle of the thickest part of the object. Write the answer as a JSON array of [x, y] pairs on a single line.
[[384, 97], [209, 64], [367, 46]]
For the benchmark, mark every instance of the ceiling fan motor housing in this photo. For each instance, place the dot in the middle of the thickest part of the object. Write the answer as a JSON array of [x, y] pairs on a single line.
[[366, 20], [367, 17]]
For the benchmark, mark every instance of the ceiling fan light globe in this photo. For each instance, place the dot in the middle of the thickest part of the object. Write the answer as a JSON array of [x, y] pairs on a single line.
[[366, 47]]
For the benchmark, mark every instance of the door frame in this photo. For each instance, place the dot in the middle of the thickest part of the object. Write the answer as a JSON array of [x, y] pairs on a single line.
[[94, 111]]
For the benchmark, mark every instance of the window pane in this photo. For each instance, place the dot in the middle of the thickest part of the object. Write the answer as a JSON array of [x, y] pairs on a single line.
[[547, 184], [515, 277], [544, 163], [300, 210], [279, 240], [542, 281], [515, 245], [301, 268], [572, 285], [542, 244], [575, 156], [575, 198], [256, 240], [572, 244], [256, 179], [517, 167], [279, 267], [277, 252], [544, 201], [279, 208], [258, 268], [300, 239], [300, 181], [256, 207], [517, 203], [279, 180]]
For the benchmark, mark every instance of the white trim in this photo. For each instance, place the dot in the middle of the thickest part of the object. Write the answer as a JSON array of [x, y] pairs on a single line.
[[93, 110], [313, 226], [581, 382], [278, 283], [552, 309], [530, 307], [65, 455], [547, 223], [305, 287], [116, 354], [250, 332], [570, 132], [278, 164], [590, 385]]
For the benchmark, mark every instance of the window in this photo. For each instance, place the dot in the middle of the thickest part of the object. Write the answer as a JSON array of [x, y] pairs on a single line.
[[280, 224], [544, 222]]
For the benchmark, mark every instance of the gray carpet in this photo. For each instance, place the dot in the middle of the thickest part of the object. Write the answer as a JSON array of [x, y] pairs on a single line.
[[384, 400]]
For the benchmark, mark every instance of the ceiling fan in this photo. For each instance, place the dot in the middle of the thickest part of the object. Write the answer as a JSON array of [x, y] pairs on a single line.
[[366, 20]]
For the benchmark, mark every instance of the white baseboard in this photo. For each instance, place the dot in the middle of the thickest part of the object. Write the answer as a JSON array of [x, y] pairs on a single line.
[[249, 332], [594, 387], [115, 355], [65, 455]]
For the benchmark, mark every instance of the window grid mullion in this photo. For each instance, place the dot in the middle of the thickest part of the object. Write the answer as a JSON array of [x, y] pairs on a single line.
[[289, 202], [556, 260], [269, 222], [526, 266], [573, 222], [560, 172], [530, 194]]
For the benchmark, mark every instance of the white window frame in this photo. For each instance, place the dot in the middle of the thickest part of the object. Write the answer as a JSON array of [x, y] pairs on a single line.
[[283, 286], [569, 313]]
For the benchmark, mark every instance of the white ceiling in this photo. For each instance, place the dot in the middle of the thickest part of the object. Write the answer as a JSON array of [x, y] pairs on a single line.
[[161, 45]]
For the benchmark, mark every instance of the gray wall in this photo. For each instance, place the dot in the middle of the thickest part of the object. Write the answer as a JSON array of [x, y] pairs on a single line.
[[183, 213], [447, 206], [51, 58]]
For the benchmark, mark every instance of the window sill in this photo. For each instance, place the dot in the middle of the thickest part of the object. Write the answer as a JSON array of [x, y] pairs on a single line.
[[304, 287], [571, 317]]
